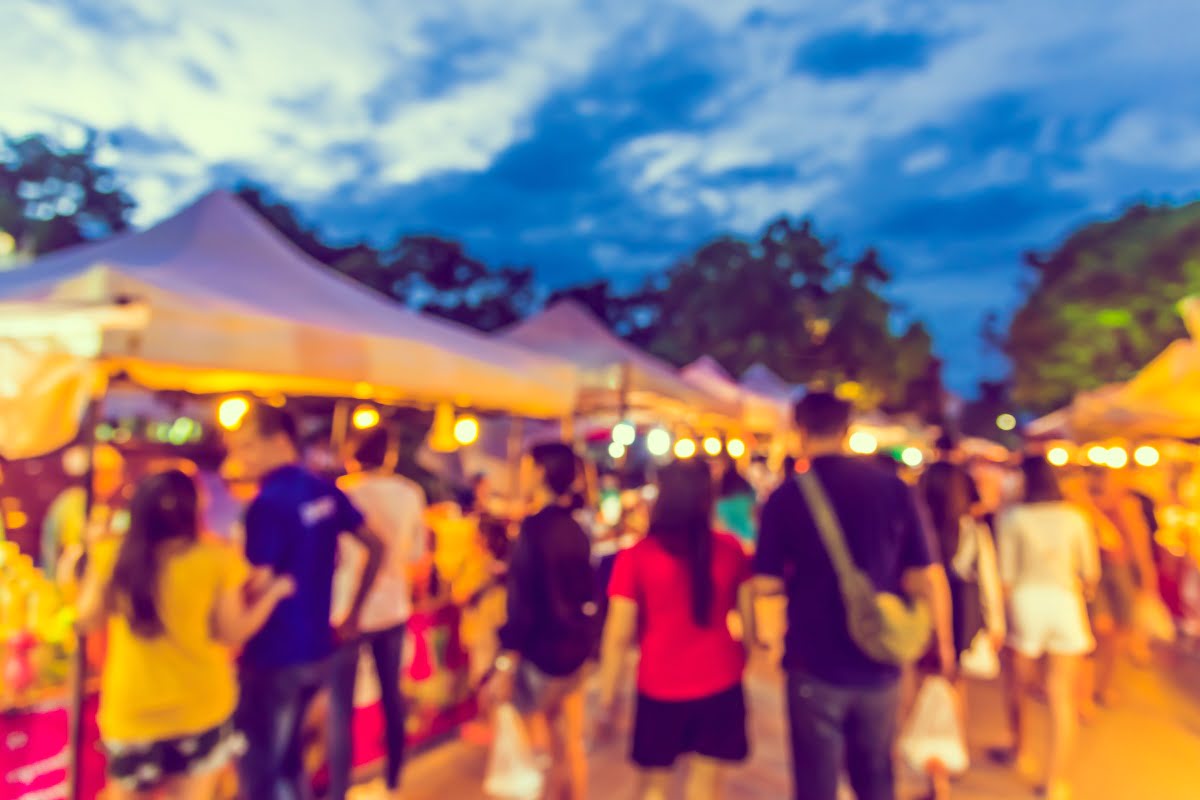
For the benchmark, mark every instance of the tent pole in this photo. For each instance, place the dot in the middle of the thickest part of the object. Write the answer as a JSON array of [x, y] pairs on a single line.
[[78, 675]]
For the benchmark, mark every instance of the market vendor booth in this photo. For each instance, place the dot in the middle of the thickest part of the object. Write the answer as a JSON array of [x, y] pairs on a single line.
[[214, 301]]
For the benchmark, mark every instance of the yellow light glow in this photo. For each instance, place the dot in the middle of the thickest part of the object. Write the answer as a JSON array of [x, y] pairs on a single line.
[[712, 446], [1098, 455], [624, 434], [1146, 456], [365, 418], [7, 244], [863, 443], [15, 520], [466, 430], [1118, 457], [1006, 422], [685, 448], [232, 411], [616, 450], [849, 391], [736, 448], [1058, 456], [658, 442], [912, 456]]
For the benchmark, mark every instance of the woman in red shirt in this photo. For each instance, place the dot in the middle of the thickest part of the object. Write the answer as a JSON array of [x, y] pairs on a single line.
[[673, 592]]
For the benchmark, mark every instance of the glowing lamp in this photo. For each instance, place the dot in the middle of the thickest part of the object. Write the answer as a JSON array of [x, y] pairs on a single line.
[[616, 450], [736, 448], [712, 446], [1098, 455], [365, 417], [624, 434], [1058, 456], [1117, 458], [1006, 422], [863, 443], [685, 448], [658, 442], [912, 456], [1146, 456], [466, 430], [231, 412]]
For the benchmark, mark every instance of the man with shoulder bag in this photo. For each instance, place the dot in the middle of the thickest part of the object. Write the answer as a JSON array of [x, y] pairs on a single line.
[[865, 593]]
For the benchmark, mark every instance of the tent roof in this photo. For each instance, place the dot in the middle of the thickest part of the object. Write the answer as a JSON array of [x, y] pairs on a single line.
[[762, 413], [765, 381], [608, 363], [235, 306]]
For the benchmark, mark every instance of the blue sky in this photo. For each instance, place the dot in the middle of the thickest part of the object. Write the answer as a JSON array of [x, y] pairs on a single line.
[[607, 137]]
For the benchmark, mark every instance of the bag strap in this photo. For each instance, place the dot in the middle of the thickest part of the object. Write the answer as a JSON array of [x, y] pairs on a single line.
[[828, 527]]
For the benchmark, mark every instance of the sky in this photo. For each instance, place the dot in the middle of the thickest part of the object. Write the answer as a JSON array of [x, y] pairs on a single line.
[[607, 138]]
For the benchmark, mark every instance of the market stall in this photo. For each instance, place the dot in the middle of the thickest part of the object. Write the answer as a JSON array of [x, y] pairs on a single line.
[[212, 301]]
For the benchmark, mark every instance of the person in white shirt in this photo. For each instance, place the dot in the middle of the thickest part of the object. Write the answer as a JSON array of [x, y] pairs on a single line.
[[394, 507], [1049, 564]]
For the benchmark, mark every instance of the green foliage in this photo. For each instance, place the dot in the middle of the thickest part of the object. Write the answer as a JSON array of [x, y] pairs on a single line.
[[1103, 304], [53, 196]]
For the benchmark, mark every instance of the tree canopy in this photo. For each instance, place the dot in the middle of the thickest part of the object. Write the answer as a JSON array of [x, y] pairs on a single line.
[[53, 196], [1103, 304]]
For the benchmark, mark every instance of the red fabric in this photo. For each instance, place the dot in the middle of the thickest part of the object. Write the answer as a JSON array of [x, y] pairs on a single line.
[[35, 743], [681, 660]]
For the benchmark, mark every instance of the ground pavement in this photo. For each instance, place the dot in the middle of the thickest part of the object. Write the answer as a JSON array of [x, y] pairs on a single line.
[[1147, 749]]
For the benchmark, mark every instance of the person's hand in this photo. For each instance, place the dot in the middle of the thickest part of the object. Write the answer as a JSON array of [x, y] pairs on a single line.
[[604, 730], [281, 587], [347, 632], [259, 581], [948, 657], [500, 688]]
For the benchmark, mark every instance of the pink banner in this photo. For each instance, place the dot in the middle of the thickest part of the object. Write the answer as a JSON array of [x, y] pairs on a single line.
[[36, 754]]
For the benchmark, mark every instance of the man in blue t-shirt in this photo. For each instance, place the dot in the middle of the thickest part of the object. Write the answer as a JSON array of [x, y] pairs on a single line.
[[842, 705], [292, 528]]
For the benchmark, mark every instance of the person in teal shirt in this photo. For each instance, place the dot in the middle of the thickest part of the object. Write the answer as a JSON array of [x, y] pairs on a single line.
[[737, 506]]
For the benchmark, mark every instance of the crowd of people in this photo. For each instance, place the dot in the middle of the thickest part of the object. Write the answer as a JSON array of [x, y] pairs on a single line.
[[215, 652]]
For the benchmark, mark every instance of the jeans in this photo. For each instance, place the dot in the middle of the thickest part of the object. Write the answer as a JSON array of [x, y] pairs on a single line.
[[386, 650], [271, 716], [834, 727]]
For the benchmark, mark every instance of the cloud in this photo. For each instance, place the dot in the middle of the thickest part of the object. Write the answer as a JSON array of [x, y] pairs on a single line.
[[611, 137]]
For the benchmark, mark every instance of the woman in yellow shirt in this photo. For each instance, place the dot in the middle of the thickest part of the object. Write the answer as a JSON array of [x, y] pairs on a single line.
[[176, 606]]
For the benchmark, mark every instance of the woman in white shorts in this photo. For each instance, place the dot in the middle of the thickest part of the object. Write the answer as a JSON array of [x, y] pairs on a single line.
[[1049, 564]]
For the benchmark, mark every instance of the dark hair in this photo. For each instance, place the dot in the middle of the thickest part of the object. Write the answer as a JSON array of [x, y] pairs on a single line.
[[946, 490], [371, 449], [822, 414], [558, 462], [270, 421], [682, 522], [163, 510], [732, 482], [946, 444], [1041, 483]]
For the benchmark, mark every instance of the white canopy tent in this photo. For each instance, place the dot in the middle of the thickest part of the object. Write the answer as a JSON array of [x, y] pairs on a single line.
[[614, 374], [230, 305], [761, 413]]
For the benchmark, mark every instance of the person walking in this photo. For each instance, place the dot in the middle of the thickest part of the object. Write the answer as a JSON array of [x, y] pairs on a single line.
[[175, 605], [394, 508], [552, 626], [672, 594], [1049, 563], [291, 527], [842, 702]]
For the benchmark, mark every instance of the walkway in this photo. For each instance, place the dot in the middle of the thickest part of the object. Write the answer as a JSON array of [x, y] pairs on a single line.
[[1148, 749]]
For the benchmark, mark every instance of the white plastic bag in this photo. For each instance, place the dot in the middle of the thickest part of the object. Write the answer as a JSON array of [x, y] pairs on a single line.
[[933, 733], [513, 772], [1155, 620], [981, 661]]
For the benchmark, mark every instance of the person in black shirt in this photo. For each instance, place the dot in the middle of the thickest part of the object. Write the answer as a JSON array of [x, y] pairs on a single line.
[[843, 705], [553, 624]]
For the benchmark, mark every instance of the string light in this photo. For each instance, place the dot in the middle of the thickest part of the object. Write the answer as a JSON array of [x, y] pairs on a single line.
[[1058, 456], [863, 443], [624, 434], [912, 456], [685, 448], [712, 446], [736, 448], [466, 430], [1146, 456], [616, 450], [658, 442], [365, 417], [231, 412]]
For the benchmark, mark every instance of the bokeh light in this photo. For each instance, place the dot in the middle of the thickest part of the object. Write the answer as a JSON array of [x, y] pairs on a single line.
[[1146, 456], [365, 417], [231, 412], [685, 448], [624, 434], [712, 446], [863, 443], [658, 442], [912, 456], [736, 448], [1058, 456], [466, 430]]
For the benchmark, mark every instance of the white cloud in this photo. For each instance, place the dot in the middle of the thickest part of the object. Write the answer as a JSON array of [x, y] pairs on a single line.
[[925, 160]]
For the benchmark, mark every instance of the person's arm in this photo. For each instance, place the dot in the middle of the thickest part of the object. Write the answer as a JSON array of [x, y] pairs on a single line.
[[91, 607], [245, 602], [924, 577], [1140, 542], [620, 631], [771, 560], [1088, 555], [520, 627], [1006, 553], [375, 550]]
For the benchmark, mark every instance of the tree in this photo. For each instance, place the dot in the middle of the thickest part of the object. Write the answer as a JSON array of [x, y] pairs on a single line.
[[979, 415], [1103, 304], [52, 196]]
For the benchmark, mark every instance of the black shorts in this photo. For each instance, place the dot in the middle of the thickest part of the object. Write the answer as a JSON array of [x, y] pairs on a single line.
[[713, 727], [142, 766]]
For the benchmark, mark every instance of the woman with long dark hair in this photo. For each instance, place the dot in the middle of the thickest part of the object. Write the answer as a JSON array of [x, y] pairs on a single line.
[[1049, 563], [175, 606], [673, 593]]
